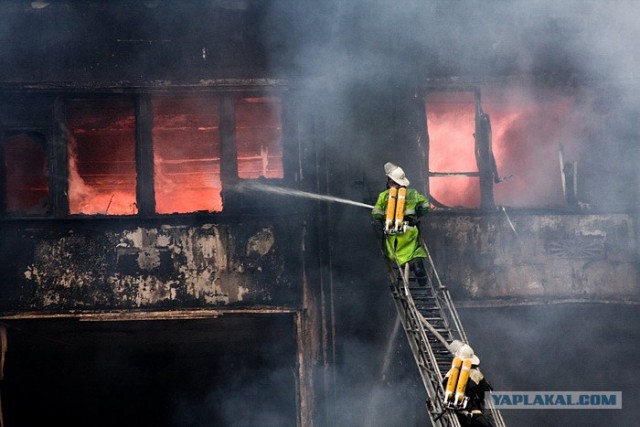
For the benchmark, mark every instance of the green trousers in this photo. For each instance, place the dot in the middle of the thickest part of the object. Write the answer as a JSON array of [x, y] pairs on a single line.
[[405, 246]]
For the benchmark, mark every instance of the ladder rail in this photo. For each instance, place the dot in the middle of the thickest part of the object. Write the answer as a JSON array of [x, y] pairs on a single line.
[[430, 373], [416, 326], [443, 296], [454, 318]]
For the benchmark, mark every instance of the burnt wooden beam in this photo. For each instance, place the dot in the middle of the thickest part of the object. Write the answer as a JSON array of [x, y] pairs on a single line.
[[229, 163], [228, 149], [291, 164], [3, 174], [131, 315], [145, 190], [472, 174], [59, 161], [484, 155]]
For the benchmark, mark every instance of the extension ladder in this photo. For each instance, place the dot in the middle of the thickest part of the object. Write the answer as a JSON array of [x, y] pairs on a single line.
[[431, 323]]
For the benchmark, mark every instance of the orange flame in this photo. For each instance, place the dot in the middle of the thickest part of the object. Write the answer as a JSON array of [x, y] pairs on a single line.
[[95, 199], [258, 138], [526, 134], [186, 146], [451, 124], [101, 149]]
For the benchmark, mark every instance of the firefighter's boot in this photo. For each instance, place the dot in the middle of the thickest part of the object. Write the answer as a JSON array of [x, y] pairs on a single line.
[[420, 272]]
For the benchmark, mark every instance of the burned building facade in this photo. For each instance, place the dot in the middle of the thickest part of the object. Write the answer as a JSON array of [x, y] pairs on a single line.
[[146, 277]]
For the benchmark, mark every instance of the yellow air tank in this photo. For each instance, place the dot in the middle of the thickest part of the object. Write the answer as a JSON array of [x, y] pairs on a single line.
[[399, 217], [391, 209], [461, 388], [456, 364]]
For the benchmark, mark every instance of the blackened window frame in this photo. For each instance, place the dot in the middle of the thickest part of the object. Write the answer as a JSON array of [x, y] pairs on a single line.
[[37, 114], [57, 147], [6, 133], [232, 200], [482, 140], [238, 201], [66, 131]]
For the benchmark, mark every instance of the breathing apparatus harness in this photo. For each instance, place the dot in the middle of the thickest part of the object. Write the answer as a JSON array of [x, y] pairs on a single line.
[[394, 222]]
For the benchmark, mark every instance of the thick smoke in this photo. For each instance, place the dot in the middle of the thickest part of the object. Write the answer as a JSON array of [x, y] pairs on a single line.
[[353, 57], [559, 348]]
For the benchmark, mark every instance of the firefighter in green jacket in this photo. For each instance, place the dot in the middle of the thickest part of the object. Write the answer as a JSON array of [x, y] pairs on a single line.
[[403, 244]]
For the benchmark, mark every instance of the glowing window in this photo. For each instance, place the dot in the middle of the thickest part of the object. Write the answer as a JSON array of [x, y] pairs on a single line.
[[451, 125], [528, 130], [259, 138], [186, 146], [27, 185], [527, 127], [102, 166]]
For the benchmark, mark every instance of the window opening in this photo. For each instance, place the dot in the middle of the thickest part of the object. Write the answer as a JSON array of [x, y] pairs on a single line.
[[259, 137], [27, 183], [102, 167], [529, 132], [452, 164], [186, 145]]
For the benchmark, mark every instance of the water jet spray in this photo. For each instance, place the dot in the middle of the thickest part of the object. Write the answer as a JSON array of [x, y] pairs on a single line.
[[297, 193]]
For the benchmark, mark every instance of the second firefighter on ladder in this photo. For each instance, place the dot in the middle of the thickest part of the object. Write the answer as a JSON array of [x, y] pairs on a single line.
[[400, 208], [465, 387]]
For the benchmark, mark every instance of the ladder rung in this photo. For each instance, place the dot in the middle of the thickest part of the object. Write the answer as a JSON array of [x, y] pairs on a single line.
[[431, 303]]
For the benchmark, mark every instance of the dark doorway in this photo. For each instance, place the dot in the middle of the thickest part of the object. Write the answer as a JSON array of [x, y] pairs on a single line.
[[229, 371]]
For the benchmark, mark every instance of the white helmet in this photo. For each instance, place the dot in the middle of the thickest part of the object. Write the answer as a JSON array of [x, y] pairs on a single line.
[[396, 174], [388, 167], [455, 346], [465, 352]]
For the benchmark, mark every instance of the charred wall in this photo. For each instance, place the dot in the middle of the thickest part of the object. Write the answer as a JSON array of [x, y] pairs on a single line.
[[98, 267], [543, 257], [132, 41]]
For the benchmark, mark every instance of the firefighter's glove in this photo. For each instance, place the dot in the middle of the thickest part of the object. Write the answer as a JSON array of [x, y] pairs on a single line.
[[413, 222]]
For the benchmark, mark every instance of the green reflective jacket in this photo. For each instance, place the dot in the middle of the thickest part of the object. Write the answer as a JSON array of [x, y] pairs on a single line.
[[406, 246]]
